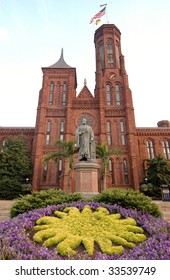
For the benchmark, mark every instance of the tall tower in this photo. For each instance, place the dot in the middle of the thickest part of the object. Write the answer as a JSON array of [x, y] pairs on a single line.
[[116, 112], [53, 116]]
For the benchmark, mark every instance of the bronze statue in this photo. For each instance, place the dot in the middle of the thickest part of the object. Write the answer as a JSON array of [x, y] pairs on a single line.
[[85, 142]]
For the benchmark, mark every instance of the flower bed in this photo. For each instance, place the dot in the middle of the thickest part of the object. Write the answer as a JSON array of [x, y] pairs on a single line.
[[16, 235]]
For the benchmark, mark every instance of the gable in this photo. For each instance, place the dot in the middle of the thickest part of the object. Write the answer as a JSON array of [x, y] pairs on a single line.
[[85, 93]]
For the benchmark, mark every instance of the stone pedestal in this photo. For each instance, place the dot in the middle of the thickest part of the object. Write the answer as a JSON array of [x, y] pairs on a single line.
[[86, 178]]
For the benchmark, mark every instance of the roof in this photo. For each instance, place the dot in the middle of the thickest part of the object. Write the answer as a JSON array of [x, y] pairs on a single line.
[[158, 128], [60, 63], [16, 127]]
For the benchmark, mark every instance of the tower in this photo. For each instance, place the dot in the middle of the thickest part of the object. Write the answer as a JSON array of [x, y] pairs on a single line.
[[53, 119], [116, 112]]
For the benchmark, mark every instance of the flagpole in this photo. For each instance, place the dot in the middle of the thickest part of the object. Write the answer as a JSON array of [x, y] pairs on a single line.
[[107, 16], [106, 10]]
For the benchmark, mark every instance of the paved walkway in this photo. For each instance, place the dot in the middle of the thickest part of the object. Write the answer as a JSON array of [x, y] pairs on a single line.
[[164, 206], [5, 206]]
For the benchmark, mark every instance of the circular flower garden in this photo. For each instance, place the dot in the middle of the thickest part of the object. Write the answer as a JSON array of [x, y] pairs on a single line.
[[85, 230]]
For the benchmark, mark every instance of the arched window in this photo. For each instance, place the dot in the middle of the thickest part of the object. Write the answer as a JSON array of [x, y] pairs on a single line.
[[59, 171], [111, 170], [48, 133], [110, 53], [62, 131], [150, 149], [64, 94], [166, 149], [109, 139], [4, 142], [125, 172], [45, 171], [117, 55], [51, 94], [122, 132], [117, 91], [101, 51], [108, 94]]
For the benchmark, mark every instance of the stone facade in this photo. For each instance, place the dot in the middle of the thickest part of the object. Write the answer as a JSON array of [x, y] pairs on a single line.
[[109, 111]]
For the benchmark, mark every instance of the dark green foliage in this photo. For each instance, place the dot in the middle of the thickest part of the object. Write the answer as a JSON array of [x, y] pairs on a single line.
[[67, 150], [15, 167], [10, 188], [37, 200], [125, 198], [157, 174], [158, 171], [151, 191], [26, 189], [104, 153], [129, 199]]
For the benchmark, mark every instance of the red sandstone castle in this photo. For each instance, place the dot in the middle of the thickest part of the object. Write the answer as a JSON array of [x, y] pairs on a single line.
[[109, 111]]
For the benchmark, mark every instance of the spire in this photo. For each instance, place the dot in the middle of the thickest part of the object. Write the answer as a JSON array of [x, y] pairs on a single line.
[[61, 62], [85, 82]]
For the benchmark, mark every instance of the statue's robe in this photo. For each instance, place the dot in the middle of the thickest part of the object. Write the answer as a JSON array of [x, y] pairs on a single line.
[[84, 138]]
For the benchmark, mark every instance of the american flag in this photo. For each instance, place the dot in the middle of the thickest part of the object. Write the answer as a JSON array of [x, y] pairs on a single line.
[[99, 14]]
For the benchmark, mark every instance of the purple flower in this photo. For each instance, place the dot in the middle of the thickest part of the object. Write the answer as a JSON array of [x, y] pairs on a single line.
[[15, 242]]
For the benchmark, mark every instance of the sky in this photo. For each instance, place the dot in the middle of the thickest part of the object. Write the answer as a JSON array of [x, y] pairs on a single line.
[[33, 32]]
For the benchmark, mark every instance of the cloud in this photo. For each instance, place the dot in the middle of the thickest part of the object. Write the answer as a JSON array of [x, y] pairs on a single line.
[[4, 35]]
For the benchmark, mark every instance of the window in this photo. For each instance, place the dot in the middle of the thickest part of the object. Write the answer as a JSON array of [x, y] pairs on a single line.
[[64, 94], [109, 140], [150, 149], [48, 133], [45, 171], [110, 165], [4, 142], [62, 131], [60, 165], [166, 149], [117, 90], [101, 51], [122, 131], [110, 53], [59, 171], [51, 94], [117, 55], [108, 94], [125, 172], [111, 170]]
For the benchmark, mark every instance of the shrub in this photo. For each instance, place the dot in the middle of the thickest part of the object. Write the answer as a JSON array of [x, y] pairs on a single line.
[[26, 189], [151, 191], [129, 199], [9, 188], [41, 199]]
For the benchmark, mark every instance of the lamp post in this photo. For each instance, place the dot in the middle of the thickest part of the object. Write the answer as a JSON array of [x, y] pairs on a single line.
[[146, 180], [27, 180]]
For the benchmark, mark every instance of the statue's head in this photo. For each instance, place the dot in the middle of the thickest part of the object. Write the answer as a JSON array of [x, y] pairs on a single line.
[[83, 121]]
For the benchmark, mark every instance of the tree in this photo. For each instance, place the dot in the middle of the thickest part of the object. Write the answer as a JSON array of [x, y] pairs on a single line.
[[104, 153], [158, 171], [67, 151], [158, 174], [15, 167]]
